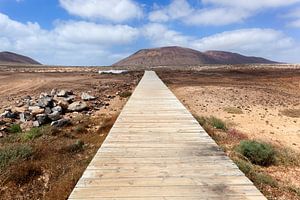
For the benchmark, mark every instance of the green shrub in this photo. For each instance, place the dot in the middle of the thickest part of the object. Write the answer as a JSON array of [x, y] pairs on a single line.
[[287, 157], [260, 178], [33, 133], [258, 153], [125, 94], [201, 120], [76, 147], [15, 128], [217, 123], [244, 166], [13, 153]]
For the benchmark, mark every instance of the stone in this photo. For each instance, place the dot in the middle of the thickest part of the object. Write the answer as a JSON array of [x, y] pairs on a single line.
[[1, 135], [70, 98], [62, 93], [35, 110], [57, 109], [86, 97], [20, 109], [48, 110], [54, 116], [42, 119], [61, 123], [77, 106], [63, 104], [53, 92], [22, 117], [9, 114], [45, 101], [36, 124]]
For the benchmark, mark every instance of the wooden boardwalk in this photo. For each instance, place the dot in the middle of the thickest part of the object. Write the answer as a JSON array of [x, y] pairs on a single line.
[[156, 150]]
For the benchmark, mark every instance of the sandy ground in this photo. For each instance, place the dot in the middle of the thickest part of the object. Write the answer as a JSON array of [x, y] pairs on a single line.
[[261, 95], [15, 85]]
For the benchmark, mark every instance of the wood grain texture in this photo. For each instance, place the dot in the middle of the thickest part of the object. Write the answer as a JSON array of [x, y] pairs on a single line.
[[157, 150]]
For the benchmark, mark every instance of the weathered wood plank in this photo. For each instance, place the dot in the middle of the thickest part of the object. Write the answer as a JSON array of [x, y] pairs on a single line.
[[156, 150]]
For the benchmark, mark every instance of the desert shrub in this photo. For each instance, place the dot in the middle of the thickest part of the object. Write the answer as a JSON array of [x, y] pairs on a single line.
[[74, 148], [235, 134], [125, 94], [12, 153], [33, 133], [21, 174], [286, 156], [260, 178], [217, 123], [211, 121], [15, 128], [80, 128], [243, 165], [294, 190], [258, 153], [201, 120], [233, 110]]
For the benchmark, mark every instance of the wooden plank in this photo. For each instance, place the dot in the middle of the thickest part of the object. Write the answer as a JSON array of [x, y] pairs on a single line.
[[156, 150]]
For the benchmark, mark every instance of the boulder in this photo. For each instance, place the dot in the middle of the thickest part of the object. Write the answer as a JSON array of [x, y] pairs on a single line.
[[63, 104], [35, 110], [48, 110], [70, 98], [53, 92], [9, 114], [42, 119], [62, 93], [54, 116], [36, 124], [20, 109], [86, 97], [61, 123], [45, 101], [22, 117], [77, 106], [57, 109]]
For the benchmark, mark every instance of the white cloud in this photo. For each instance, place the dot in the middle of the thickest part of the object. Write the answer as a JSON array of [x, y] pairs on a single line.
[[251, 5], [112, 10], [294, 17], [160, 35], [214, 12], [70, 43], [267, 43]]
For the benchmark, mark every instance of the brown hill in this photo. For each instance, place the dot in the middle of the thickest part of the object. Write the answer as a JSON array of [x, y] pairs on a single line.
[[13, 58], [166, 56]]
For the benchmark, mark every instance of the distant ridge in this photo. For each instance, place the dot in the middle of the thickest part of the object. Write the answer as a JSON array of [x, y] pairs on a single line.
[[176, 56], [13, 58]]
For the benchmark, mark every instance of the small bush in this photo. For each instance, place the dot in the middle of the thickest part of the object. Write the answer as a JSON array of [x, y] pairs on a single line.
[[235, 134], [287, 157], [260, 178], [217, 123], [125, 94], [25, 173], [75, 148], [33, 133], [233, 110], [13, 153], [258, 153], [80, 129], [15, 128], [201, 120], [244, 166]]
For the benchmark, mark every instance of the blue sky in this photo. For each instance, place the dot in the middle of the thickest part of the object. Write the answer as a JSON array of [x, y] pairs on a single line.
[[100, 32]]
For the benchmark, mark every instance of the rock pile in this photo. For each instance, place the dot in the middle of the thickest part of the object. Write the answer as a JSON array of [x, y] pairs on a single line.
[[46, 109]]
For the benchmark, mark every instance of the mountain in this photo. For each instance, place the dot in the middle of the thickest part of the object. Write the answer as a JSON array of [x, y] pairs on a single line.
[[166, 56], [13, 58]]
